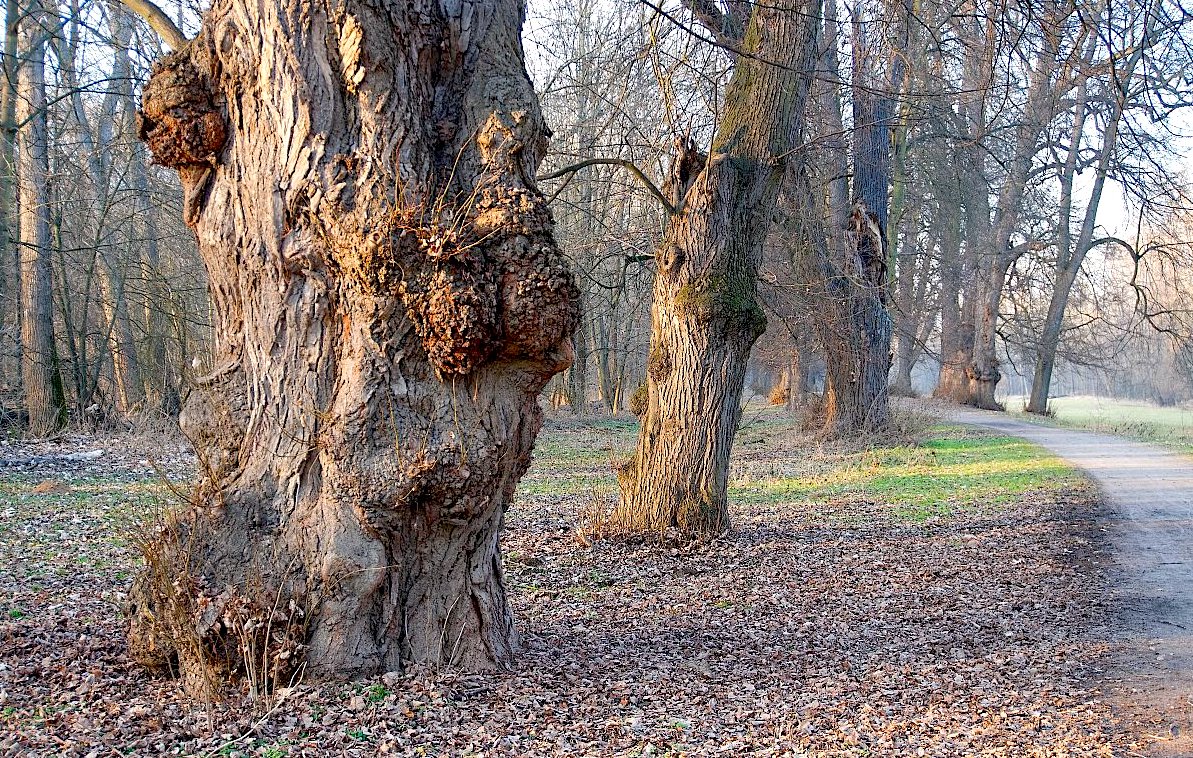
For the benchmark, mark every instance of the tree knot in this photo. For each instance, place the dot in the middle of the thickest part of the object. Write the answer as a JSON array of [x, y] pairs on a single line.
[[182, 126], [179, 120]]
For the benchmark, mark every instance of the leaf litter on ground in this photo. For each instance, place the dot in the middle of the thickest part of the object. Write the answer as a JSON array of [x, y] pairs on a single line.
[[831, 625]]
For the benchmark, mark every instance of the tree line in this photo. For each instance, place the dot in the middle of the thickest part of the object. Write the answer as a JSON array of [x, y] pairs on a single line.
[[1005, 125], [104, 305]]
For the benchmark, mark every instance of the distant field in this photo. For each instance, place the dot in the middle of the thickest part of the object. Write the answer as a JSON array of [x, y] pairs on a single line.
[[1166, 425]]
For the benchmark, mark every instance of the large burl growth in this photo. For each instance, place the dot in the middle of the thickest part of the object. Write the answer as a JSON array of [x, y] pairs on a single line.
[[388, 302]]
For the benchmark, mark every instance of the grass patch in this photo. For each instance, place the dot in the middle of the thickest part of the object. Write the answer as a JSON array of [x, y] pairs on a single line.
[[573, 457], [952, 468], [776, 465], [80, 526], [1171, 426]]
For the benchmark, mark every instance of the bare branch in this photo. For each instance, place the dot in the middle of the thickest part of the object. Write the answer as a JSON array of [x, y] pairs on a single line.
[[158, 21], [722, 25], [626, 164], [1115, 241]]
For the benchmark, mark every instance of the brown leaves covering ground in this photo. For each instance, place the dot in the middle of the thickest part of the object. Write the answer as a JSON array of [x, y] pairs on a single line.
[[836, 629]]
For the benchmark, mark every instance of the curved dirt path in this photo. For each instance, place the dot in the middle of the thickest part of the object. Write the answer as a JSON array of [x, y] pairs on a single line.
[[1149, 492]]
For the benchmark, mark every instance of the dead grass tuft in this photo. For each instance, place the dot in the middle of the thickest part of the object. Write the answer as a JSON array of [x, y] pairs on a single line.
[[180, 627]]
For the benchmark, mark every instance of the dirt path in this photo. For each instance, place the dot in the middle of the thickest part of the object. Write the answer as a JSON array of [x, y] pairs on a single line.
[[1150, 495]]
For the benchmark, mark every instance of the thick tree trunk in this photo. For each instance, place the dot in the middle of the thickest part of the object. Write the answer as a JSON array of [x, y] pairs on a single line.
[[855, 330], [956, 335], [983, 370], [705, 314], [849, 269], [963, 363], [856, 396], [901, 383], [797, 380], [388, 302], [44, 395], [953, 384]]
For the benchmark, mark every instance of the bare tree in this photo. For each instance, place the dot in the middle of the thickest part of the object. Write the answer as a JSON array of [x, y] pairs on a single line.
[[705, 315], [96, 144], [1111, 91], [9, 257], [44, 396], [849, 262], [970, 372], [602, 98]]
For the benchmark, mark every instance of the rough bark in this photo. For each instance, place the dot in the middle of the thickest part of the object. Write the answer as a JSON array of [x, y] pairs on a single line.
[[388, 302], [797, 380], [577, 375], [44, 396], [983, 370], [855, 329], [956, 335], [705, 314]]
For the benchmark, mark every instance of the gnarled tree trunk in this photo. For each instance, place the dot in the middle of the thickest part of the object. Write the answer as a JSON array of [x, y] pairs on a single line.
[[847, 276], [389, 301], [983, 371], [705, 316]]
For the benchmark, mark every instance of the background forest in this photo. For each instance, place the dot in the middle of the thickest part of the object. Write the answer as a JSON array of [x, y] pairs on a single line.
[[1036, 239]]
